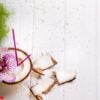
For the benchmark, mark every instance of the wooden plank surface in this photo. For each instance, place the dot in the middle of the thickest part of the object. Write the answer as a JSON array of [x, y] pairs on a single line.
[[81, 49], [21, 21], [69, 30], [49, 34]]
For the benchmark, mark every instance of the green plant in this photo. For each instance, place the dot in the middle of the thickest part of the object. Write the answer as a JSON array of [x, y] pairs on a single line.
[[4, 15]]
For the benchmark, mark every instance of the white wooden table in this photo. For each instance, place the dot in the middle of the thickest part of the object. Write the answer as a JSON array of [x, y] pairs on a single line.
[[68, 29]]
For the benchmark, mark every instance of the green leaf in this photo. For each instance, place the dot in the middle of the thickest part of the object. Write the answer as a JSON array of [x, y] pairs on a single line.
[[4, 15]]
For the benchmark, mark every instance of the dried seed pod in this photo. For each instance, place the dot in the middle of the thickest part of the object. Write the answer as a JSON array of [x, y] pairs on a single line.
[[43, 86], [64, 75], [44, 62]]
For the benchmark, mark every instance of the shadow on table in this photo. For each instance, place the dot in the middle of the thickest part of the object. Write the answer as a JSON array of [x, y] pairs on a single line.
[[6, 90]]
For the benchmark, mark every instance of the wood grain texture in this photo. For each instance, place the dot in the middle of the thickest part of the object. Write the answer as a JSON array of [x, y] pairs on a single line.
[[81, 49], [98, 47], [49, 34], [21, 21], [69, 30]]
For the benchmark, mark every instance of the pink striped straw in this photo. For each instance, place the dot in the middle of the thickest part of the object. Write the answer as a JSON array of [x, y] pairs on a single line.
[[15, 46], [18, 64]]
